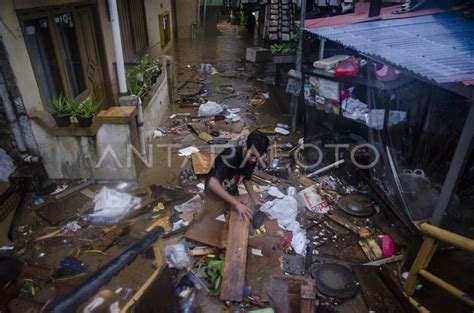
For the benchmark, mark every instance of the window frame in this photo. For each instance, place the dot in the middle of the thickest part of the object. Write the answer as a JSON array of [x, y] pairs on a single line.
[[128, 30], [49, 13]]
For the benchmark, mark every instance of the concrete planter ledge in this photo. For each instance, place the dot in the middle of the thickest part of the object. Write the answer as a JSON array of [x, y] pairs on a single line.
[[114, 115]]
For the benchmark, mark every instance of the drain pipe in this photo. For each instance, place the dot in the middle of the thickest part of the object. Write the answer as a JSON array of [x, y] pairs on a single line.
[[72, 301], [141, 131], [117, 38], [14, 125], [122, 79]]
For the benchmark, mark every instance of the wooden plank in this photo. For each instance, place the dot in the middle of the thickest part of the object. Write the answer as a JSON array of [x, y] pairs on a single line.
[[208, 230], [159, 251], [376, 294], [157, 294], [202, 162], [37, 271], [198, 251], [371, 249], [61, 211], [395, 289], [235, 257], [284, 292], [344, 222], [308, 299], [110, 236], [161, 221]]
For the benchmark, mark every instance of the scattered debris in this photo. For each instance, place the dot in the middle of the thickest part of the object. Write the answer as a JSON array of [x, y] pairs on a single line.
[[188, 151], [177, 256]]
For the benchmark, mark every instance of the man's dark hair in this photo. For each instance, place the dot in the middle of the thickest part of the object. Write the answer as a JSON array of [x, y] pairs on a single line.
[[258, 141], [10, 269]]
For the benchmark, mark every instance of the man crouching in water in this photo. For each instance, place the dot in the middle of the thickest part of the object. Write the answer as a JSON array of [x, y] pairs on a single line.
[[235, 165]]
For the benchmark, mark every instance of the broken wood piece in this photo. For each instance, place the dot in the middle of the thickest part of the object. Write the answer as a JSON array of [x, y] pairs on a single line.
[[392, 259], [53, 234], [155, 295], [162, 221], [307, 298], [377, 295], [235, 262], [37, 271], [207, 230], [159, 251], [344, 222], [60, 211], [202, 162], [110, 236], [305, 181], [371, 249], [364, 232], [198, 251], [88, 193], [74, 189]]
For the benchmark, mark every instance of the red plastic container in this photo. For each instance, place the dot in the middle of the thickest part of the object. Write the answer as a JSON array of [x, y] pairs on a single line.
[[388, 246]]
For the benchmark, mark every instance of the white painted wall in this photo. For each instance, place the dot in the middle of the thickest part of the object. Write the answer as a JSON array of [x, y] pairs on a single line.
[[155, 109], [153, 9]]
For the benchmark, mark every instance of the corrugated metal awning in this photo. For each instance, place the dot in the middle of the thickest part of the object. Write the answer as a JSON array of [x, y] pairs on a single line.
[[438, 47]]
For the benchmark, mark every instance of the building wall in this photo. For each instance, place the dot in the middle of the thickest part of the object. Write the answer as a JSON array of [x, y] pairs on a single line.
[[154, 110], [15, 44], [69, 157], [186, 11], [153, 9]]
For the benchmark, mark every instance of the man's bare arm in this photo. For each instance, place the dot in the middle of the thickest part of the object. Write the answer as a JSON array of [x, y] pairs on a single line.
[[243, 210]]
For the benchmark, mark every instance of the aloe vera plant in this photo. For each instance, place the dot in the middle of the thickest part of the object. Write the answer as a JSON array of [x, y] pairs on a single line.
[[60, 107]]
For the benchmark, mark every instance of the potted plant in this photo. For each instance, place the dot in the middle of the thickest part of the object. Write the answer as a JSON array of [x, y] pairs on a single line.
[[154, 68], [61, 111], [85, 111]]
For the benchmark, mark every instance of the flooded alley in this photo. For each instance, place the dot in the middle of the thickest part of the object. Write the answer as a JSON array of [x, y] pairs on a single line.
[[280, 156]]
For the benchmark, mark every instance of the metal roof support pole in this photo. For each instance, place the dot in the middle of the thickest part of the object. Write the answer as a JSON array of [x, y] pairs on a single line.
[[322, 42], [299, 61], [461, 154]]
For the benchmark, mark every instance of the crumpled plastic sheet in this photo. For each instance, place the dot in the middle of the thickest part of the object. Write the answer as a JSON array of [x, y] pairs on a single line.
[[210, 108], [109, 202], [285, 210], [193, 204], [177, 256]]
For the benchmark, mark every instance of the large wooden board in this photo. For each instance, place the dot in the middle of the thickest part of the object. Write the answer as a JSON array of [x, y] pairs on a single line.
[[235, 258], [208, 230], [376, 294], [62, 210]]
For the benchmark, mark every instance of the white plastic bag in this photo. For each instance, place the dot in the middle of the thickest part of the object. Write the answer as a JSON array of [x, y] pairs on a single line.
[[193, 204], [285, 210], [210, 108], [177, 256], [110, 202]]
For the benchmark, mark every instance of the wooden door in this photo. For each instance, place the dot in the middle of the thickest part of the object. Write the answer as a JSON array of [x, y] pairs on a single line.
[[90, 54]]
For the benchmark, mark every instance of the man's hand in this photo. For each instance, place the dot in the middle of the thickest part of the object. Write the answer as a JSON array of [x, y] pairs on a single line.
[[257, 203], [244, 211]]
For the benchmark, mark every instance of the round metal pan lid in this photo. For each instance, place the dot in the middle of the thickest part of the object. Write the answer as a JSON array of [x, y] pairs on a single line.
[[336, 281], [356, 205]]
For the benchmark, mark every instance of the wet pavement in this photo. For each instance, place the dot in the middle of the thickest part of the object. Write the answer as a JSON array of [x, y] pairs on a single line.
[[226, 51]]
